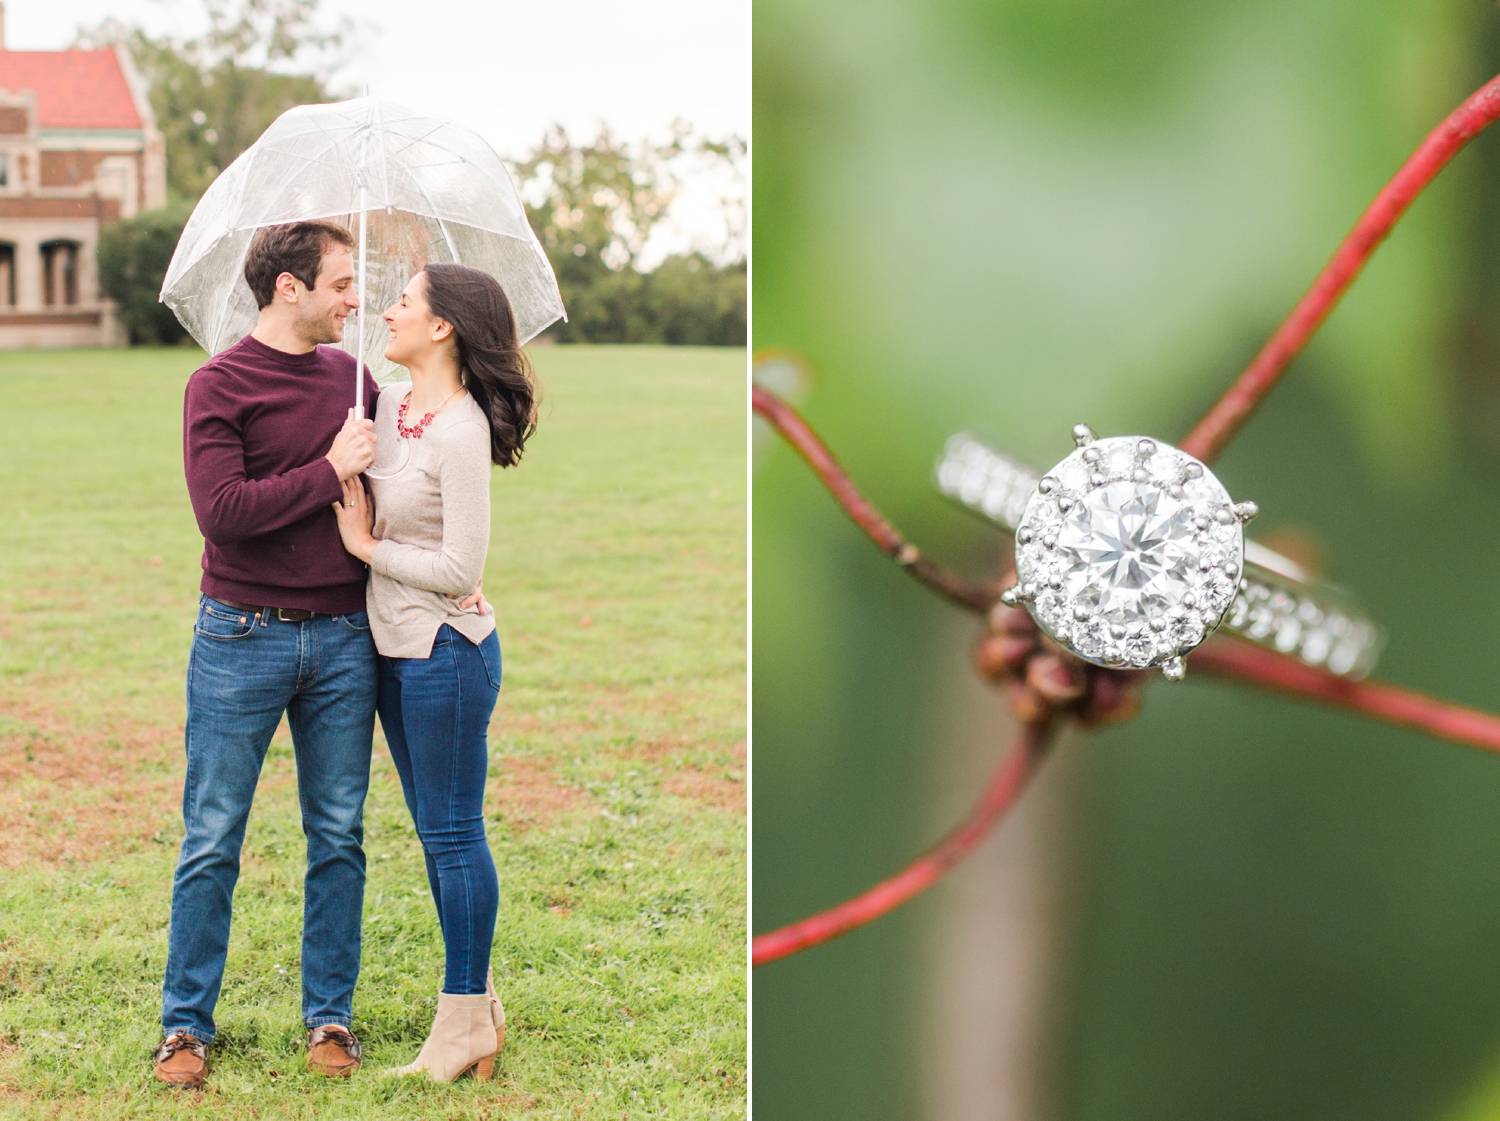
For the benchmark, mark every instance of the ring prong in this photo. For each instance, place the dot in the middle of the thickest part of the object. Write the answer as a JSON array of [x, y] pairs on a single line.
[[1245, 511], [1174, 669], [1083, 435], [1011, 597]]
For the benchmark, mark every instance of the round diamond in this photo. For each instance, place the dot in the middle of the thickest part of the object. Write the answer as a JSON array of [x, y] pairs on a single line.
[[1088, 640], [1132, 539], [1052, 610], [1128, 551], [1186, 630], [1140, 648], [1218, 591]]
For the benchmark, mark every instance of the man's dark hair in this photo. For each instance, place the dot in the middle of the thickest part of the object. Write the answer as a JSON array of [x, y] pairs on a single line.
[[297, 248]]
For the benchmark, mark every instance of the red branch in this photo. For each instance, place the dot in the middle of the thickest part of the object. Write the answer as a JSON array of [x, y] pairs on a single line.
[[785, 419], [1240, 661], [1224, 656], [1210, 435], [921, 873]]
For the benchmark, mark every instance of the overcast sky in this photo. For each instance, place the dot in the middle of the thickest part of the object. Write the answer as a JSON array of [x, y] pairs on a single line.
[[505, 69]]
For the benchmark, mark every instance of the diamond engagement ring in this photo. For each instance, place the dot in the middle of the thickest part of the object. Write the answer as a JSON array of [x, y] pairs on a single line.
[[1129, 553]]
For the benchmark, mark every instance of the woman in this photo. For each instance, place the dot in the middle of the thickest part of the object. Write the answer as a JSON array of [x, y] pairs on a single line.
[[425, 543]]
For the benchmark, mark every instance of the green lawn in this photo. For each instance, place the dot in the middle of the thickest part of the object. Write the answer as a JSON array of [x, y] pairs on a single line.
[[617, 765]]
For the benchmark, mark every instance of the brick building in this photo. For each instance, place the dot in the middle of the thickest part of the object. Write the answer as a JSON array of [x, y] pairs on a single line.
[[79, 149]]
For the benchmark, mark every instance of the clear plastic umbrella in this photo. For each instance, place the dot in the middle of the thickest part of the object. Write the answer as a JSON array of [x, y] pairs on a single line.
[[415, 188]]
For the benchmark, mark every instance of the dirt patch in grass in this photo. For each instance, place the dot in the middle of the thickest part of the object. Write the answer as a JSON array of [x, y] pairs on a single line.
[[520, 724], [215, 1102], [70, 796], [504, 1106], [529, 794], [87, 1107], [720, 787], [711, 787]]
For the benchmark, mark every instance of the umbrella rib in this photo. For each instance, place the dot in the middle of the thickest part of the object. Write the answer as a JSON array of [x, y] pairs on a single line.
[[385, 170], [459, 157]]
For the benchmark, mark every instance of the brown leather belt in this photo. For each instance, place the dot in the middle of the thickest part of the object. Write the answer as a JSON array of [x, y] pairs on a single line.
[[285, 614]]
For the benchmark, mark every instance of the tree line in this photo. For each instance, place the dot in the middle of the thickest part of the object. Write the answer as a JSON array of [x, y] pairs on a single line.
[[594, 204]]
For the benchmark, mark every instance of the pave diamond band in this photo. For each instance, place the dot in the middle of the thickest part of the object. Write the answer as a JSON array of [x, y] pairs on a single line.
[[1129, 553], [987, 482]]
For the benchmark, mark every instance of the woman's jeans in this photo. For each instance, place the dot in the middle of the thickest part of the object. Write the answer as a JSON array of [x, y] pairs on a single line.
[[242, 675], [435, 712]]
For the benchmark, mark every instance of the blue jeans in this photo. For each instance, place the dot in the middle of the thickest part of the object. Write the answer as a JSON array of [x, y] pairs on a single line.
[[242, 675], [436, 712]]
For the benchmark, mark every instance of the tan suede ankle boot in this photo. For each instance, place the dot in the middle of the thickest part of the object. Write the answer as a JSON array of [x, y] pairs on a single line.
[[497, 1011], [462, 1039]]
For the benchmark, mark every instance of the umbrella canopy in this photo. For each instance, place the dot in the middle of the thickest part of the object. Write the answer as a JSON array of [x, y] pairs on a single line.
[[417, 188]]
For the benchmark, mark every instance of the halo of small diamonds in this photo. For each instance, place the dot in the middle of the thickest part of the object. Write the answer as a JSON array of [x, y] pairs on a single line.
[[1129, 552]]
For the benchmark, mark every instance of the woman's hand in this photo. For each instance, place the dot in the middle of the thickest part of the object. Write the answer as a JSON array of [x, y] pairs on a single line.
[[475, 599], [356, 518]]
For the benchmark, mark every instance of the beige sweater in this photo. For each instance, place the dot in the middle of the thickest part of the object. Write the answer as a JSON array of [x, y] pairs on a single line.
[[433, 525]]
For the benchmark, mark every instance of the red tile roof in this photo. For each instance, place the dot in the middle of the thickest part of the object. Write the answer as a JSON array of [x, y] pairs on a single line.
[[74, 89]]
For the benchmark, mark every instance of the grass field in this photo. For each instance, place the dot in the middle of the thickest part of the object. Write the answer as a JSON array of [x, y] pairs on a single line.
[[617, 764]]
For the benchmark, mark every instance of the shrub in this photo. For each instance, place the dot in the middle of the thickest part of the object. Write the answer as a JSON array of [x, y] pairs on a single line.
[[691, 302], [685, 301], [133, 257]]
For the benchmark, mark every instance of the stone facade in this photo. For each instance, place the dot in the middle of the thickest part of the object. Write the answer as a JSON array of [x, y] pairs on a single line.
[[79, 148]]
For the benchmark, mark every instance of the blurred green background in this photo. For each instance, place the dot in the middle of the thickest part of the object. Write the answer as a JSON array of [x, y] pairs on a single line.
[[1009, 217]]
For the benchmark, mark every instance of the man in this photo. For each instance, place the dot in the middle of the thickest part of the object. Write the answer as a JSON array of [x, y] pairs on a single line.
[[268, 437]]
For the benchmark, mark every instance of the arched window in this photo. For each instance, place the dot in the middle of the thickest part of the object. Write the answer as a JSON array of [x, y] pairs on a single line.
[[7, 274], [59, 273]]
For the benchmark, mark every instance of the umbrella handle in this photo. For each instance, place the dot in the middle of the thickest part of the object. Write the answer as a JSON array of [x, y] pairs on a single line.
[[405, 459]]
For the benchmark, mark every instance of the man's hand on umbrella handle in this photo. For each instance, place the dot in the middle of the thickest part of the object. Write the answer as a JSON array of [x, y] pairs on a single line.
[[353, 448]]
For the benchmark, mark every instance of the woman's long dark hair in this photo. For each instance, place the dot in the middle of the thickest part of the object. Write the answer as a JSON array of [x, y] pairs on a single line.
[[494, 370]]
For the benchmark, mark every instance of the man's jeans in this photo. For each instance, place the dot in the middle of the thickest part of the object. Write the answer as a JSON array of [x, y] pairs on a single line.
[[242, 675]]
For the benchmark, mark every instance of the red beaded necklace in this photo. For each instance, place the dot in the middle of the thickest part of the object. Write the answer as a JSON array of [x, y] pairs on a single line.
[[415, 432]]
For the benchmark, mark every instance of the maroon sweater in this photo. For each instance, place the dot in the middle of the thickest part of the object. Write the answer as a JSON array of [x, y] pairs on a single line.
[[257, 423]]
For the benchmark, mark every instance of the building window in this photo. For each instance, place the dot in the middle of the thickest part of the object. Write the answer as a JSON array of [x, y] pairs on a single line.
[[7, 275], [60, 273], [4, 169]]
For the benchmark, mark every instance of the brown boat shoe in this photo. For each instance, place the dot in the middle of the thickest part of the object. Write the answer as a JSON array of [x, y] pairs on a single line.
[[332, 1050], [181, 1060]]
